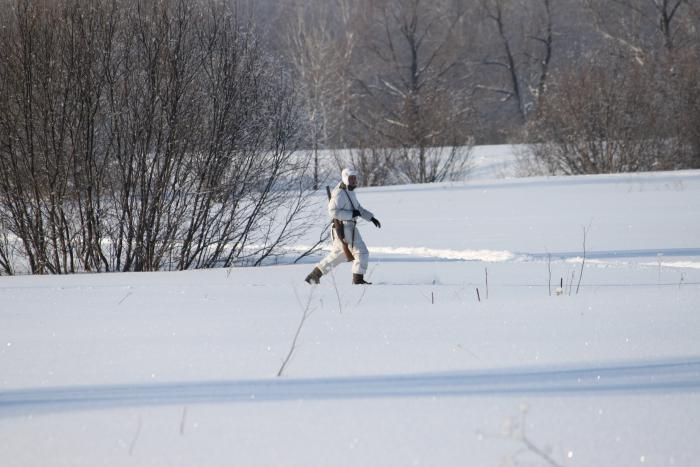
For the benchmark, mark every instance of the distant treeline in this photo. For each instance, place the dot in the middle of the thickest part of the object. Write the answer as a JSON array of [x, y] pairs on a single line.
[[608, 85]]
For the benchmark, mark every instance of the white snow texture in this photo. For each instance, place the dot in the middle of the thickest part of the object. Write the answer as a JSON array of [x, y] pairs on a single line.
[[178, 369]]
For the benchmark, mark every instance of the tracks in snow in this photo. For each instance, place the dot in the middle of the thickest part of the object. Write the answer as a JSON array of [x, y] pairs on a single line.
[[425, 254], [651, 376], [497, 256]]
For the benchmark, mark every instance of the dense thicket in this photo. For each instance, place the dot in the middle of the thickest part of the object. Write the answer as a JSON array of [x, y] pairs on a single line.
[[139, 135]]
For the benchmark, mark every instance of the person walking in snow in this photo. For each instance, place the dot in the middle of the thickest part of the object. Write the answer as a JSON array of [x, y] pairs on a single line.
[[344, 209]]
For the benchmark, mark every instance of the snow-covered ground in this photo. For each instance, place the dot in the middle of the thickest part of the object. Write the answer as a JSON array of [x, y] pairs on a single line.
[[170, 369]]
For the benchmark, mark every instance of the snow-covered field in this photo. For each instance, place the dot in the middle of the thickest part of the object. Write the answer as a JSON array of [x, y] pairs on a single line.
[[179, 369]]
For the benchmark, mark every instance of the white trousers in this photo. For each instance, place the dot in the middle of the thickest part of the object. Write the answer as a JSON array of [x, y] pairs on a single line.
[[357, 247]]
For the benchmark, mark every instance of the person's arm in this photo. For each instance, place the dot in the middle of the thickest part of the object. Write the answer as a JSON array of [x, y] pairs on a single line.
[[339, 206], [368, 216]]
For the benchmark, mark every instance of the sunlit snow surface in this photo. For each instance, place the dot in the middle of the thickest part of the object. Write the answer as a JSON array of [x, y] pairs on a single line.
[[171, 369]]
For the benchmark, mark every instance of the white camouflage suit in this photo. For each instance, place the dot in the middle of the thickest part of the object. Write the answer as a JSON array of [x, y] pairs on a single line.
[[343, 201]]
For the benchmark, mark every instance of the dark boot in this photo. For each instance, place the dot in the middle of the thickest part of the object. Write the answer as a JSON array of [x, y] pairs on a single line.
[[359, 279], [314, 277]]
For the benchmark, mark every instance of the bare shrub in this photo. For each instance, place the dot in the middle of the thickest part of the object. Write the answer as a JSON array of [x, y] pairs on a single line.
[[6, 259], [686, 101], [380, 166], [527, 164], [602, 120], [51, 162], [374, 164]]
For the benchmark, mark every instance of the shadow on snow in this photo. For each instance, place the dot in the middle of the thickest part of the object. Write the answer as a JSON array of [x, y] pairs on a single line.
[[658, 376]]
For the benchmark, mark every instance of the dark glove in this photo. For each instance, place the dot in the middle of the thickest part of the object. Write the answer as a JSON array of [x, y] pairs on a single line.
[[356, 213], [376, 222]]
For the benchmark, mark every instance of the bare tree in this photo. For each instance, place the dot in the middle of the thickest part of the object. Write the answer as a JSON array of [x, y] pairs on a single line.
[[408, 105], [644, 29], [525, 37], [662, 37], [320, 41]]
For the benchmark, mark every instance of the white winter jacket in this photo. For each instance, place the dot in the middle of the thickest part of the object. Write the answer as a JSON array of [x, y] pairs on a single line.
[[342, 203]]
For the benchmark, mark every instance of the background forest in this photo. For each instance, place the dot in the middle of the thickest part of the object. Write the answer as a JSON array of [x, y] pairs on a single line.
[[176, 134], [602, 86]]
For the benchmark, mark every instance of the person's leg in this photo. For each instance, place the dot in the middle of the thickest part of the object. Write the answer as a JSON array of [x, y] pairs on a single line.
[[331, 260], [361, 254]]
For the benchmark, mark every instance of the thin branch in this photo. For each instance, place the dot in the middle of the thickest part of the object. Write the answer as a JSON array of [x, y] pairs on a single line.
[[337, 293], [306, 312], [549, 269], [583, 263], [136, 436], [183, 420], [536, 450]]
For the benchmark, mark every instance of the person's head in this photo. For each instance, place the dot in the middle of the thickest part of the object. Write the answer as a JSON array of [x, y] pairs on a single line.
[[349, 177]]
